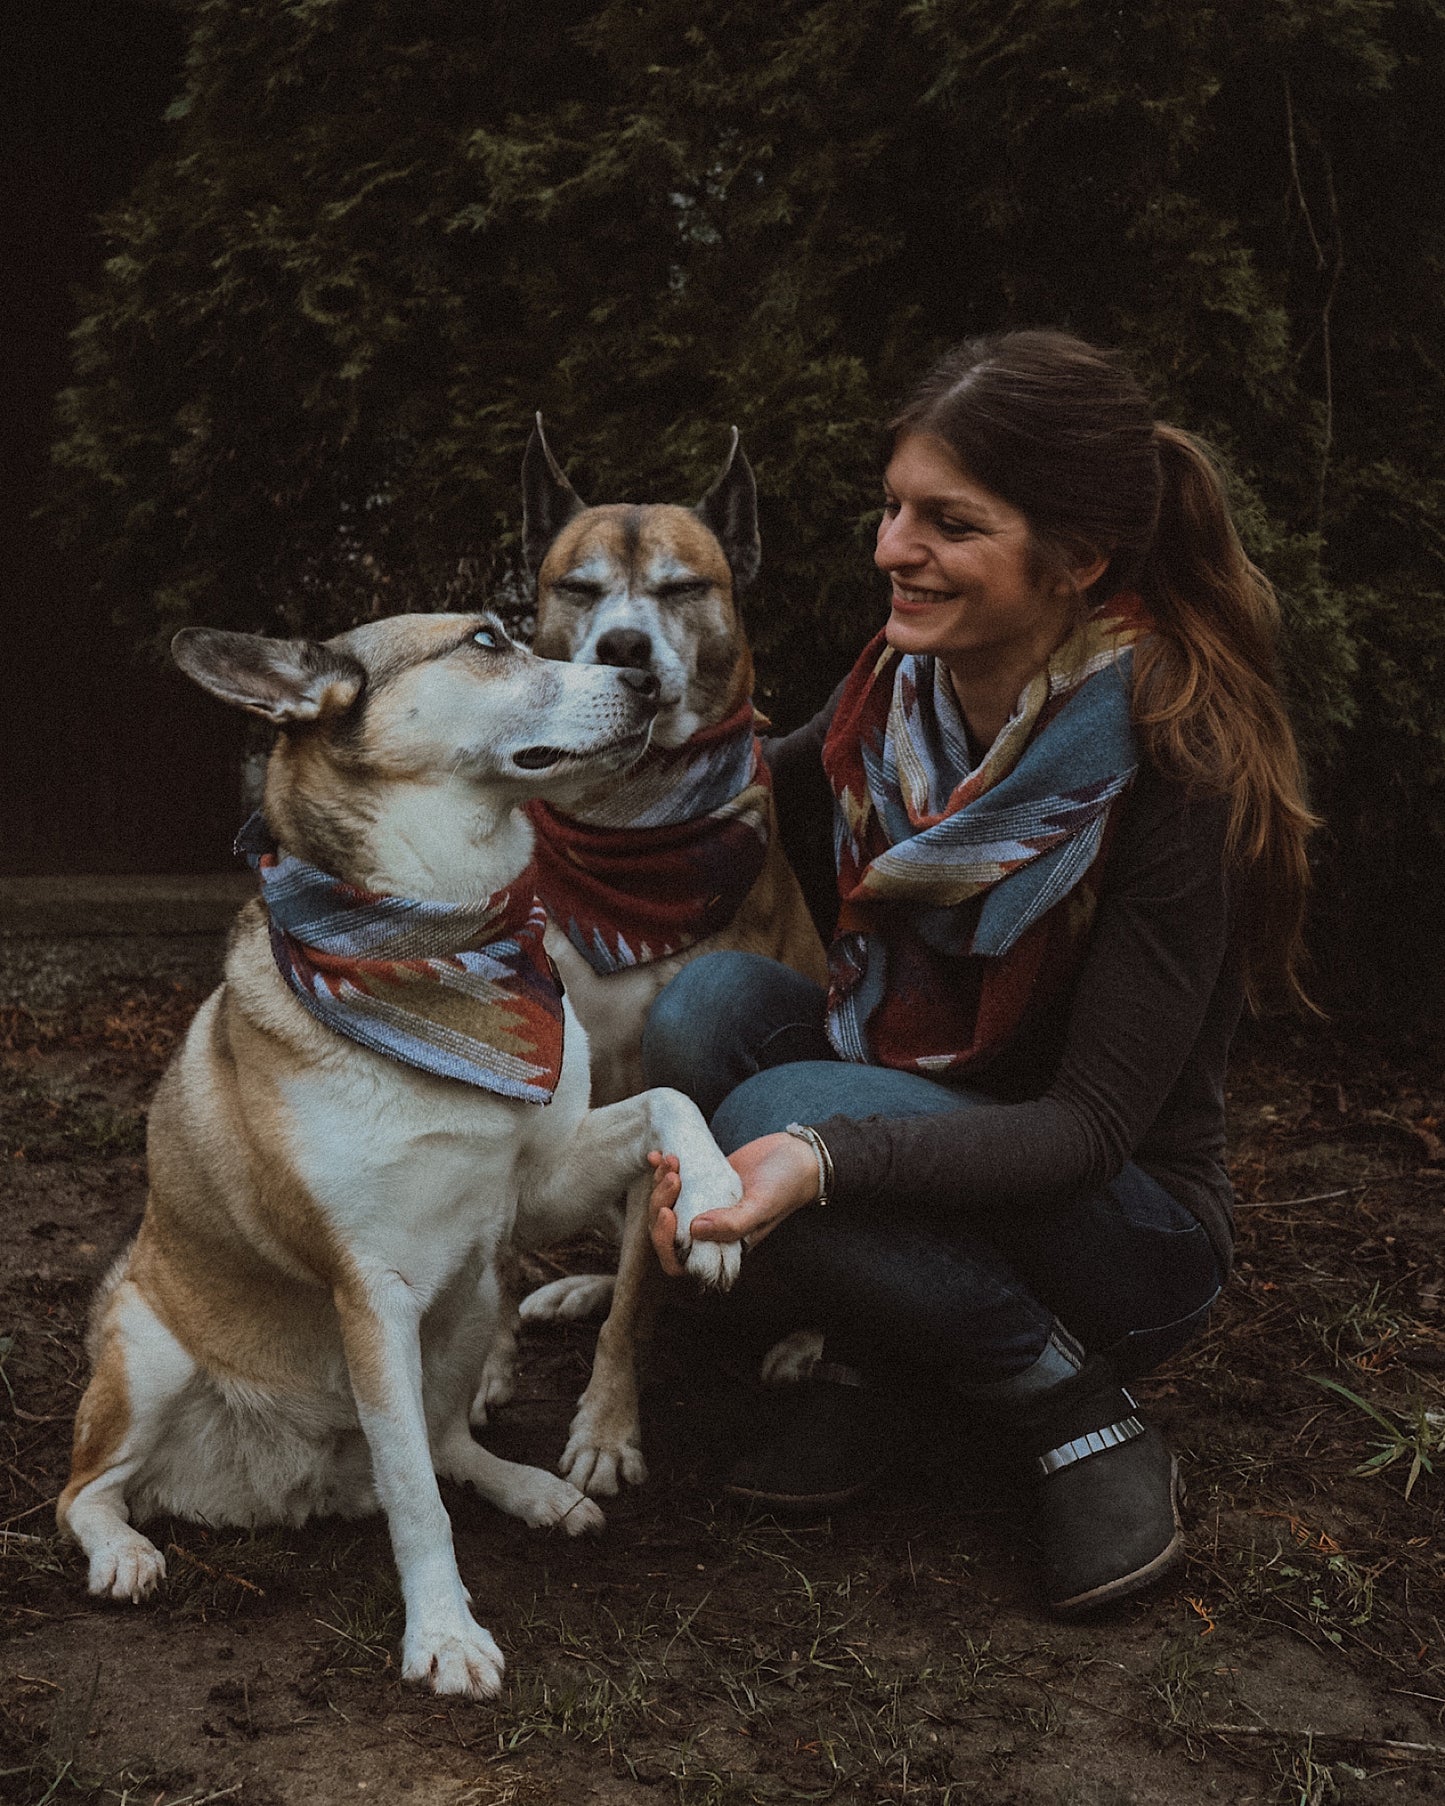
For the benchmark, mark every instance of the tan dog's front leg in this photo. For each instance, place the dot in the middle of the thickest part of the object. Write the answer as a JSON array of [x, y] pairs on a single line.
[[442, 1644]]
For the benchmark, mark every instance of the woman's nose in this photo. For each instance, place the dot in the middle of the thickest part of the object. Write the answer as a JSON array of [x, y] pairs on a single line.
[[897, 547]]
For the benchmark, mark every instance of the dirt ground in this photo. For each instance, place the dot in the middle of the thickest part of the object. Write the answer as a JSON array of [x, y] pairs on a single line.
[[695, 1654]]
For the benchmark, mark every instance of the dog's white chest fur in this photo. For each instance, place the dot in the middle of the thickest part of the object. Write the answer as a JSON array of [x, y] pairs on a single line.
[[417, 1172]]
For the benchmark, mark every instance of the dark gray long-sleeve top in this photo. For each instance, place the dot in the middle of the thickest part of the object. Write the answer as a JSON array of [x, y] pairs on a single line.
[[1130, 1066]]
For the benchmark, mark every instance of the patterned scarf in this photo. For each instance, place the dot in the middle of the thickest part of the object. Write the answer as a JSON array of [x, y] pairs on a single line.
[[968, 891], [667, 858], [463, 991]]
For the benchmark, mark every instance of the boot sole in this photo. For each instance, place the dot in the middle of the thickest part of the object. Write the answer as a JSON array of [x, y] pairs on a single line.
[[1127, 1585], [801, 1501]]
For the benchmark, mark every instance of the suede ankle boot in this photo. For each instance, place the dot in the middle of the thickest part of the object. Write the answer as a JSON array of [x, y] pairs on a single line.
[[830, 1441], [1107, 1490]]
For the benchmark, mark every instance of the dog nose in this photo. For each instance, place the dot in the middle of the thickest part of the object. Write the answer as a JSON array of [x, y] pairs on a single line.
[[642, 681], [625, 646]]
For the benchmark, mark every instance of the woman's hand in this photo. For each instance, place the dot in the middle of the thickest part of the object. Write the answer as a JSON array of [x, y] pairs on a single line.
[[779, 1175]]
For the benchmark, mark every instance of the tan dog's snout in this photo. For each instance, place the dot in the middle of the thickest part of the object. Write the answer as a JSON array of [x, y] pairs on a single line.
[[633, 671], [580, 716]]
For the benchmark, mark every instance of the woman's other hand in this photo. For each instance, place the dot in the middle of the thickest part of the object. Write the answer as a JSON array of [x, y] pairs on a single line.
[[779, 1175]]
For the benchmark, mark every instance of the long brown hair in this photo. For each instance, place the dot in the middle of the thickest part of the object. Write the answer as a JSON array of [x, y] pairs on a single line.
[[1062, 431]]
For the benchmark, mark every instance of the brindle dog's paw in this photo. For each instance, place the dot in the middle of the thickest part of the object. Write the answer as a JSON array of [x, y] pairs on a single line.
[[498, 1383], [601, 1460], [793, 1359], [569, 1299]]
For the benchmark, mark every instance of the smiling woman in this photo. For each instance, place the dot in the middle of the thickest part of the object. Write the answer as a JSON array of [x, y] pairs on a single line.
[[1069, 837]]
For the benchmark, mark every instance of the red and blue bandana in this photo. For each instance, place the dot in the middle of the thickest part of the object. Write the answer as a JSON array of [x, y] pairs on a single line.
[[666, 858], [465, 992], [968, 891]]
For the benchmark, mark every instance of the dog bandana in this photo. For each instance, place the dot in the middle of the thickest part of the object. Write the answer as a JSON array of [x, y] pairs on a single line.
[[968, 890], [667, 858], [462, 991]]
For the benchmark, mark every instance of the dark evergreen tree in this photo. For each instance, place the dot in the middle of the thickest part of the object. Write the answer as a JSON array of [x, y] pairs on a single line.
[[388, 232]]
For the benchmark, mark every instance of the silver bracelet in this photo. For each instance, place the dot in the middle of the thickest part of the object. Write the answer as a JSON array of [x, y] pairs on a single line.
[[820, 1153]]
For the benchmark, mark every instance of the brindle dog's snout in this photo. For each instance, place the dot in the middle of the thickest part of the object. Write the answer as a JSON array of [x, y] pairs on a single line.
[[625, 646]]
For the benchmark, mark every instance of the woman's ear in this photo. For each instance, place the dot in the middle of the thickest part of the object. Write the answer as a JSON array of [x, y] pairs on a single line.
[[1085, 574]]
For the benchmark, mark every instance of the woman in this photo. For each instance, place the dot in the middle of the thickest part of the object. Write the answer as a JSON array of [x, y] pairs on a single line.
[[1069, 842]]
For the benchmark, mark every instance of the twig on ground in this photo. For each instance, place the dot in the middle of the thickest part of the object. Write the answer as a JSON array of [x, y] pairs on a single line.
[[215, 1573], [29, 1512], [1319, 1197], [1391, 1744]]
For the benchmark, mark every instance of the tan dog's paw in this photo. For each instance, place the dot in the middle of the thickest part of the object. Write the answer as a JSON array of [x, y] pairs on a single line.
[[462, 1662], [715, 1264], [546, 1503], [128, 1569], [570, 1299]]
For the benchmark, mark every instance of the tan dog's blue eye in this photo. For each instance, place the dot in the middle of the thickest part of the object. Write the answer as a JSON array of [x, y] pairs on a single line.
[[487, 636]]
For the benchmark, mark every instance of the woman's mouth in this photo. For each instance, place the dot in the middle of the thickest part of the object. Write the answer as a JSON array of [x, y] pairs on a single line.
[[908, 600]]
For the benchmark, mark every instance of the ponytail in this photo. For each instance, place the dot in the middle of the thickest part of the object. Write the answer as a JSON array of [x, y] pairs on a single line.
[[1208, 708]]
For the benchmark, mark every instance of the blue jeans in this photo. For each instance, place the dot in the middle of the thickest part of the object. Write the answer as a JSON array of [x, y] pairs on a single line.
[[1002, 1307]]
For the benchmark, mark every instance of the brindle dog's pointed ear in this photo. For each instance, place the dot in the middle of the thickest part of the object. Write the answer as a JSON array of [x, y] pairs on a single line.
[[285, 682], [730, 509], [548, 500]]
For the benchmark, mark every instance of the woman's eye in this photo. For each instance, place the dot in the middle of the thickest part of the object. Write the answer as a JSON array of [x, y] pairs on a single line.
[[486, 636], [956, 529]]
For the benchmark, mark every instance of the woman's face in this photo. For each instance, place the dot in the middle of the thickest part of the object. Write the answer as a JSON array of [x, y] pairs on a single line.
[[965, 583]]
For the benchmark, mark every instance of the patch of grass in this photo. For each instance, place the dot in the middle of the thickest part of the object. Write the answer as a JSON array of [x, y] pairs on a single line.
[[1361, 1327], [598, 1670], [1301, 1778], [588, 1704], [1418, 1433], [895, 1742], [364, 1621], [700, 1781], [814, 1612], [1177, 1687]]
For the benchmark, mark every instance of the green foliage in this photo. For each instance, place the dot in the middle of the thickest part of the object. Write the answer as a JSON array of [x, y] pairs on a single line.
[[386, 233]]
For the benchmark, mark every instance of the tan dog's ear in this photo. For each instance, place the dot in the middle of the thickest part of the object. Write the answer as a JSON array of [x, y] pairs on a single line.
[[730, 510], [285, 682], [548, 500]]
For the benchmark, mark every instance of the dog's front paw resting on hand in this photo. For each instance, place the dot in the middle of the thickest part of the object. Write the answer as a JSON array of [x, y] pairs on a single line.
[[707, 1186]]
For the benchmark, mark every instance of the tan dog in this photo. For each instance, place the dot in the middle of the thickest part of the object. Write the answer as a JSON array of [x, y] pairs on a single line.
[[298, 1325], [655, 588]]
